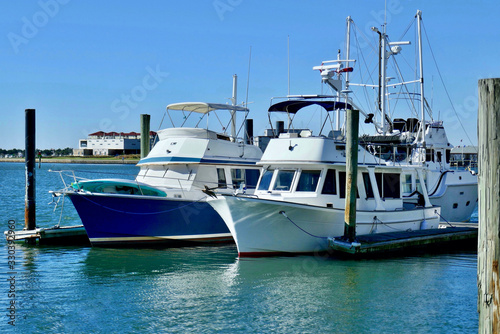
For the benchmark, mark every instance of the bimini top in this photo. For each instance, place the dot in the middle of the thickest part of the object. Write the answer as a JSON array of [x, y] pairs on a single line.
[[292, 106], [203, 107]]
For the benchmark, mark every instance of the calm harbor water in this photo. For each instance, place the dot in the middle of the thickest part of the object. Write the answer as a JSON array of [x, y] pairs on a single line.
[[209, 290]]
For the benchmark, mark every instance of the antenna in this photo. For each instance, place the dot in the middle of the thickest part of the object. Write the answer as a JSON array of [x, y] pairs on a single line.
[[385, 16], [248, 75], [288, 42]]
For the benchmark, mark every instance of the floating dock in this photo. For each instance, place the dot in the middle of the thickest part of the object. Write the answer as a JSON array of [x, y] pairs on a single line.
[[67, 235], [404, 241]]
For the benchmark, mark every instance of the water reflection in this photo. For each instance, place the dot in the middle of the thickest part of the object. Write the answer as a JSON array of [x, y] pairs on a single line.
[[116, 261], [208, 289]]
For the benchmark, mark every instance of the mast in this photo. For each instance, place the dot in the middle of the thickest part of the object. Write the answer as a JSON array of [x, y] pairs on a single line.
[[233, 112], [422, 104], [347, 56], [382, 80], [337, 111]]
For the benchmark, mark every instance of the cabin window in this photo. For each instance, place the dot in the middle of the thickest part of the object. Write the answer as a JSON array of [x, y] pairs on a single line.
[[388, 185], [221, 177], [429, 155], [238, 177], [251, 178], [391, 188], [284, 180], [265, 180], [448, 156], [308, 180], [330, 185], [419, 186], [368, 185], [407, 184], [342, 177]]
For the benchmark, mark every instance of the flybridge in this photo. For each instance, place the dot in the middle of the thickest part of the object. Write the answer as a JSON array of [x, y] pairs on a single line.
[[293, 106]]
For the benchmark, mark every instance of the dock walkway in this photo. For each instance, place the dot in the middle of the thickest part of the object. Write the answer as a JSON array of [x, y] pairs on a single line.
[[380, 243]]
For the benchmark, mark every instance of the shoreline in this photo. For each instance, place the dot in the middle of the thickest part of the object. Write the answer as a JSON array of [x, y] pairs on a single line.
[[77, 161]]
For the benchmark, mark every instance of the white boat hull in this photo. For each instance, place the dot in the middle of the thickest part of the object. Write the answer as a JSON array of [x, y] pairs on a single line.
[[265, 227]]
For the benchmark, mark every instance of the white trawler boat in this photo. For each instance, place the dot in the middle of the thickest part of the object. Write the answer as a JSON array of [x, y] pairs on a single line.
[[407, 143], [300, 198]]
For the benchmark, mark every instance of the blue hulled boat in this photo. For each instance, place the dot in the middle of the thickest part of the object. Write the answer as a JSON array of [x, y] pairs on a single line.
[[166, 203]]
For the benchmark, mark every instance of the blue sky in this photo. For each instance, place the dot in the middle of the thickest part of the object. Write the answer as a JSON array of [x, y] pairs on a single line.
[[97, 65]]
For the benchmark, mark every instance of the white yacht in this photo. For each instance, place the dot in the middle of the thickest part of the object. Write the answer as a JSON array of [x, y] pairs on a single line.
[[299, 202]]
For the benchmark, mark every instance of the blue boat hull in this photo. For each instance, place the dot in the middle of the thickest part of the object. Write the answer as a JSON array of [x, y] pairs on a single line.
[[127, 221]]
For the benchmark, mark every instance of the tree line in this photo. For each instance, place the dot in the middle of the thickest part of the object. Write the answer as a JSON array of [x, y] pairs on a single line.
[[46, 153]]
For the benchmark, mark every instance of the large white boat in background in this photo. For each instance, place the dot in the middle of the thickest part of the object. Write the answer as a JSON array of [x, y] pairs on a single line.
[[300, 199], [417, 142], [404, 176], [166, 203]]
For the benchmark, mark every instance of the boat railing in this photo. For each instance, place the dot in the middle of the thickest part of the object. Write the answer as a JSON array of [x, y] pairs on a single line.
[[70, 175], [75, 179], [464, 163], [201, 184]]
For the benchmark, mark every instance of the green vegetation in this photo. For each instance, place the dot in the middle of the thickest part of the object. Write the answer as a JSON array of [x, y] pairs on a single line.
[[15, 152], [67, 154]]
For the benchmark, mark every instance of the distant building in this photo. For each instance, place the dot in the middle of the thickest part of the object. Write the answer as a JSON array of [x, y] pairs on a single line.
[[111, 143]]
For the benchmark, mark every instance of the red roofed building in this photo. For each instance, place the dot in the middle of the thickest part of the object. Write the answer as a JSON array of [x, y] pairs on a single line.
[[112, 143]]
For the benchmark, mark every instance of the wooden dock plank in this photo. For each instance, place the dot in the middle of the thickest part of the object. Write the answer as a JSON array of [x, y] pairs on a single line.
[[65, 235], [379, 243]]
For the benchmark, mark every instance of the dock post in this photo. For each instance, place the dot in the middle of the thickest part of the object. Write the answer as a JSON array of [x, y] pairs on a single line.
[[30, 161], [352, 126], [145, 140], [489, 206]]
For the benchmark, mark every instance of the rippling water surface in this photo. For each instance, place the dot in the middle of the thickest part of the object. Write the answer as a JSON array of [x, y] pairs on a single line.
[[209, 290]]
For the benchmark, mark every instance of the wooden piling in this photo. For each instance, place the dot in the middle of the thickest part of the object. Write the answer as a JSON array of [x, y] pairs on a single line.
[[145, 140], [489, 206], [30, 161], [351, 174]]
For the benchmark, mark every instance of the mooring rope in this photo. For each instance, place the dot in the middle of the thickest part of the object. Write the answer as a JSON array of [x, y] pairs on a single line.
[[376, 221], [436, 211], [300, 228]]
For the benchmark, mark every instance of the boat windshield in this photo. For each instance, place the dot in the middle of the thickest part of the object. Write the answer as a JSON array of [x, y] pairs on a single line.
[[284, 180], [308, 180], [265, 180]]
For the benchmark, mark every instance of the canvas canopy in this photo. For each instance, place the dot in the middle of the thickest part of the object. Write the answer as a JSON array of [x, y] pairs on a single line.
[[203, 107], [292, 106]]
